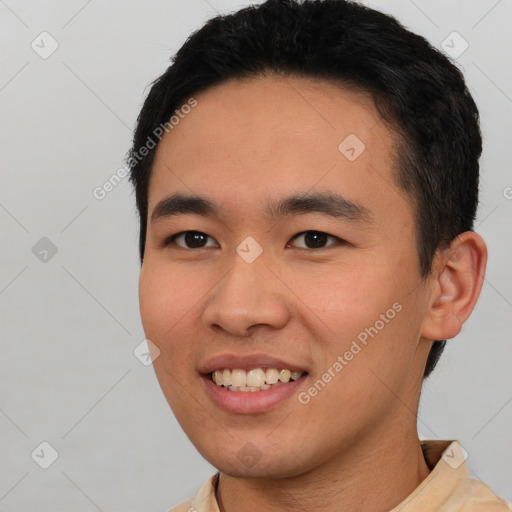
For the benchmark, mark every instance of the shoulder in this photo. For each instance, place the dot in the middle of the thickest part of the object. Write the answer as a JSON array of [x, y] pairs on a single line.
[[474, 496], [204, 500], [185, 506], [449, 488]]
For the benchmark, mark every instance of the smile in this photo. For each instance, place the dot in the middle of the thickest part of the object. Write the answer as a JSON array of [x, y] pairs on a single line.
[[256, 379]]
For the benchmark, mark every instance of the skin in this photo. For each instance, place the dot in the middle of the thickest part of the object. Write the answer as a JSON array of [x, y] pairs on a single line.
[[354, 446]]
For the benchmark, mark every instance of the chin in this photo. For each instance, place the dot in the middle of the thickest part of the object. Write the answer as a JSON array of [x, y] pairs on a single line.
[[249, 462], [259, 470]]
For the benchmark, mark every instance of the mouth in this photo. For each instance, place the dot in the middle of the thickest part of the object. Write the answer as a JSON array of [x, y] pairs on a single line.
[[253, 380], [251, 384]]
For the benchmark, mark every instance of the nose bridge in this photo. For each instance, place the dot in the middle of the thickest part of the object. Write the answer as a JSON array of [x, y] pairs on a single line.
[[248, 294]]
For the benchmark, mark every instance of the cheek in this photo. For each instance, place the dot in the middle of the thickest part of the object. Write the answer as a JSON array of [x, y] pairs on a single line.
[[344, 300], [367, 315], [166, 298], [168, 301]]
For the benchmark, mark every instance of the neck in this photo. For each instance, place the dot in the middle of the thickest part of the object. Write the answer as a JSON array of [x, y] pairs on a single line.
[[376, 478]]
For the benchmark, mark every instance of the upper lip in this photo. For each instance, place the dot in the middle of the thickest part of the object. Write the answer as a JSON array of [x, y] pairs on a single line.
[[247, 362]]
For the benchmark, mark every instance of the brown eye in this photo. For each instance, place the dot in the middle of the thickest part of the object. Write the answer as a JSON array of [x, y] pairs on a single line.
[[190, 240], [315, 239]]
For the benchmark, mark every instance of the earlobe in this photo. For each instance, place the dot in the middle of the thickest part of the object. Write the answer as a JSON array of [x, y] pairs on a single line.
[[457, 279]]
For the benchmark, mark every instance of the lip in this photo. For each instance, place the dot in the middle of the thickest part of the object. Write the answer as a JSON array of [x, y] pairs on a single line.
[[247, 362], [251, 402]]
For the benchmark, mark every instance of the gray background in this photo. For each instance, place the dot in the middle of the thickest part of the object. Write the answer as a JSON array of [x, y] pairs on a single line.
[[70, 324]]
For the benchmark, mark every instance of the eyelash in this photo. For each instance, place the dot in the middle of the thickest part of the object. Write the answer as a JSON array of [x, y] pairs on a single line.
[[171, 240]]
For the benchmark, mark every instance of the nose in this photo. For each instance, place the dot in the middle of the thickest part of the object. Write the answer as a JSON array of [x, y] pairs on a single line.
[[249, 295]]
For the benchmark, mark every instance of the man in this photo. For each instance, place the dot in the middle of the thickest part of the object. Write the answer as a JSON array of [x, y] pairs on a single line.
[[307, 248]]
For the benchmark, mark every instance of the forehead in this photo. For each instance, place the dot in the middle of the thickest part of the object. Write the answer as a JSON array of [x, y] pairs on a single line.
[[248, 140]]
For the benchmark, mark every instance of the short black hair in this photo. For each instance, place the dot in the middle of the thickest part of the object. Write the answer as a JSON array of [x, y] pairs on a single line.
[[415, 87]]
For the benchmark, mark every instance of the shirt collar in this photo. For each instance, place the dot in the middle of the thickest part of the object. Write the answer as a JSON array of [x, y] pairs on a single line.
[[446, 459]]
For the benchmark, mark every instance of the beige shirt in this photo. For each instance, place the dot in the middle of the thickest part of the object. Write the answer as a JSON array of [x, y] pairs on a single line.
[[448, 487]]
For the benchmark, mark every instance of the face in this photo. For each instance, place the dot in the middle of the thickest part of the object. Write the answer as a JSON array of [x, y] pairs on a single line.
[[277, 241]]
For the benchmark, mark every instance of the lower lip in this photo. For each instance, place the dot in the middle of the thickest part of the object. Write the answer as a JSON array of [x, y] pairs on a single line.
[[251, 402]]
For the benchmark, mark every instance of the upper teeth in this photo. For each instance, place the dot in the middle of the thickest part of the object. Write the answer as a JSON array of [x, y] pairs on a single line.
[[255, 378]]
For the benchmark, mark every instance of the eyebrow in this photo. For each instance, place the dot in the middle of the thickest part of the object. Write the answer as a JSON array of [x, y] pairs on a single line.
[[326, 203]]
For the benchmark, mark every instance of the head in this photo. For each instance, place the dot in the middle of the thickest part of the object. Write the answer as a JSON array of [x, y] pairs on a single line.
[[275, 101]]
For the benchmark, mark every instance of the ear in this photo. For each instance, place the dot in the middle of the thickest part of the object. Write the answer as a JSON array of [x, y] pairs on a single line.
[[456, 280]]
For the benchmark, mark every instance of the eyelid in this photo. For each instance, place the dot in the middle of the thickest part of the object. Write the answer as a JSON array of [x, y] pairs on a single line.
[[172, 238], [337, 239]]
